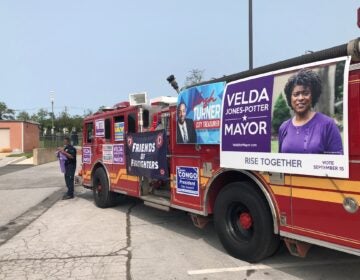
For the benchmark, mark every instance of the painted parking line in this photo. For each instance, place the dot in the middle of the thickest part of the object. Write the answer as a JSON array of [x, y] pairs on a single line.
[[269, 267]]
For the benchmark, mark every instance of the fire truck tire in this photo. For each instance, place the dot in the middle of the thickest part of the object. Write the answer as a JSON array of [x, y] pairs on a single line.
[[103, 197], [244, 223]]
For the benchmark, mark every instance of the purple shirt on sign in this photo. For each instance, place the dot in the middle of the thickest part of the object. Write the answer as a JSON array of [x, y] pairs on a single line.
[[318, 136]]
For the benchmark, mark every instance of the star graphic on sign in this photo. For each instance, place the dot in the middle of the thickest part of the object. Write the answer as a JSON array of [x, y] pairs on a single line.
[[244, 118]]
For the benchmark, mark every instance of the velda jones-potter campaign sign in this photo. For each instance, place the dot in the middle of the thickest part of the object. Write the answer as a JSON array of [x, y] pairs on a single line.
[[290, 121]]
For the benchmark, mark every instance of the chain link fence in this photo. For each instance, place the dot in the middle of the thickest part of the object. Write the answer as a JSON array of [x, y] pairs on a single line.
[[57, 140]]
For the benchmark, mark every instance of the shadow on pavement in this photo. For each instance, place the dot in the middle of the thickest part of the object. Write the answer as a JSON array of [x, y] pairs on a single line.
[[13, 168]]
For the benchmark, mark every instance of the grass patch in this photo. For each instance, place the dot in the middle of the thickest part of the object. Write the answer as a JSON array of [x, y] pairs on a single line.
[[274, 146], [27, 155]]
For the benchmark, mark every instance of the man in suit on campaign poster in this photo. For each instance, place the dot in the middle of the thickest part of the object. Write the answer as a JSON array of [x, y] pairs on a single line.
[[185, 132]]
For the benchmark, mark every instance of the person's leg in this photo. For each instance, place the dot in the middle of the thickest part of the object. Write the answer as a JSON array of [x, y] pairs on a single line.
[[69, 180], [71, 175], [66, 174]]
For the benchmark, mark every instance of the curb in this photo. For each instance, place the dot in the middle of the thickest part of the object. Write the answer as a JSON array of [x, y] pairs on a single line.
[[17, 160]]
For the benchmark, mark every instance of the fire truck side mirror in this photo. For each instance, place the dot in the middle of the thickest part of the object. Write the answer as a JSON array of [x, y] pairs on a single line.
[[358, 17]]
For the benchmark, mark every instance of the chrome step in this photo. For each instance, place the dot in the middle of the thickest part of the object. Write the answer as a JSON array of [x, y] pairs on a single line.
[[156, 200], [157, 206], [162, 193]]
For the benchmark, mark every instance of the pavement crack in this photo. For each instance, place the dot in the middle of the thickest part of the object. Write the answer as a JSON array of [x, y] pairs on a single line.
[[67, 258], [117, 252], [128, 241]]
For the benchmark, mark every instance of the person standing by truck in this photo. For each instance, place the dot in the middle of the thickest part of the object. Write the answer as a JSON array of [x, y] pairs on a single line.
[[70, 166]]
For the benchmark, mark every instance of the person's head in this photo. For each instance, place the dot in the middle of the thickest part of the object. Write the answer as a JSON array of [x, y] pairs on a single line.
[[66, 140], [181, 112], [303, 90]]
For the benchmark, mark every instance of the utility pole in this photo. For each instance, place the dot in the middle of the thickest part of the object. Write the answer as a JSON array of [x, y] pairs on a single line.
[[250, 37], [52, 98]]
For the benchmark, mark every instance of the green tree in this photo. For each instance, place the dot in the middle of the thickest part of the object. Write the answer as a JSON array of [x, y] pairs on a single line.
[[281, 113], [77, 122], [5, 112], [63, 121], [195, 76], [101, 108], [23, 116], [339, 89], [43, 118], [40, 116], [88, 112]]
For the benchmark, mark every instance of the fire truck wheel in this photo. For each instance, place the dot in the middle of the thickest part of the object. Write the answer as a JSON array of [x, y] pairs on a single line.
[[102, 196], [244, 223]]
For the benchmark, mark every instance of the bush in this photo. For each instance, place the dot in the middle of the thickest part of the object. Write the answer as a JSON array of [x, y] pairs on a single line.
[[281, 113]]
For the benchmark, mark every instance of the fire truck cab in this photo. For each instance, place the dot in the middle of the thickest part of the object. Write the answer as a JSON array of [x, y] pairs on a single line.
[[252, 210]]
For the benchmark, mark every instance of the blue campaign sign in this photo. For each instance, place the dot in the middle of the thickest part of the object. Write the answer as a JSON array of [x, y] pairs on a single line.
[[187, 180], [199, 113]]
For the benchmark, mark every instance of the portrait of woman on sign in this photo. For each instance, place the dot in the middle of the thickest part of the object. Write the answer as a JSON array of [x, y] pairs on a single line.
[[308, 131]]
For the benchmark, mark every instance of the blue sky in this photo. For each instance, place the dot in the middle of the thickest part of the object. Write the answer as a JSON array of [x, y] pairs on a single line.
[[93, 53]]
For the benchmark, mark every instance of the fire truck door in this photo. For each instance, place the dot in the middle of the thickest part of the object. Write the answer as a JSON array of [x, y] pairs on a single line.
[[88, 151], [187, 191], [118, 151], [120, 179]]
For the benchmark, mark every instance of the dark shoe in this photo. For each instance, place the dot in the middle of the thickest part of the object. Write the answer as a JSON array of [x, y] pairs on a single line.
[[67, 197]]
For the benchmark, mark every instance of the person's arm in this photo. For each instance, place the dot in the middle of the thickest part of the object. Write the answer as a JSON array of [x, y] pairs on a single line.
[[68, 155], [281, 135], [334, 141]]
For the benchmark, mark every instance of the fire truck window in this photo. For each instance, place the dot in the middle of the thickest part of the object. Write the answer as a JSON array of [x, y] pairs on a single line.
[[118, 119], [131, 123], [89, 132], [107, 129], [146, 116]]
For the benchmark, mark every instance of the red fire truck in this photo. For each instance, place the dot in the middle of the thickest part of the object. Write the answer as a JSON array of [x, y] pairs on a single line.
[[252, 209]]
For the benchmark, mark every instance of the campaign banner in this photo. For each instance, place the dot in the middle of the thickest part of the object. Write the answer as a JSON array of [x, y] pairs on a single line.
[[146, 154], [107, 153], [118, 154], [86, 155], [99, 128], [199, 113], [187, 180], [289, 121], [247, 115], [119, 131]]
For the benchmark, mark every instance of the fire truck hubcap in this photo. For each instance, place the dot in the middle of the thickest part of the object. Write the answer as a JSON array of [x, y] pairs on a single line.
[[245, 220], [239, 222]]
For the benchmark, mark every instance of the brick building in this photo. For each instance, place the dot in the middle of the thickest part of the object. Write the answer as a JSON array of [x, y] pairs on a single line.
[[19, 136]]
